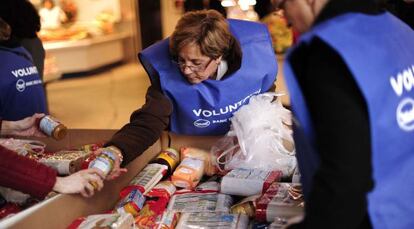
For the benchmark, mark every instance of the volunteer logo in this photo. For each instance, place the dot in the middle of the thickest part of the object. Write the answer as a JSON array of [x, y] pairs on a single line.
[[20, 85], [24, 71], [201, 123], [405, 114]]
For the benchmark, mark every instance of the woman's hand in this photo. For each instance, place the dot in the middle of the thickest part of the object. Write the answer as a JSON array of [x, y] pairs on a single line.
[[26, 127], [117, 170], [82, 182]]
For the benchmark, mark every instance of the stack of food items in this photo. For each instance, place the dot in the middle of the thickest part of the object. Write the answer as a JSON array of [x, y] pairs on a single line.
[[189, 193]]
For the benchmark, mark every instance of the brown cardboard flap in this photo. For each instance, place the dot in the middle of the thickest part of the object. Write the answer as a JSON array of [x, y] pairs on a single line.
[[60, 211]]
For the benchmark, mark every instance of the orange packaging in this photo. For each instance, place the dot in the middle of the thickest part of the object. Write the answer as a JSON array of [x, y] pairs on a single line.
[[204, 155], [188, 173]]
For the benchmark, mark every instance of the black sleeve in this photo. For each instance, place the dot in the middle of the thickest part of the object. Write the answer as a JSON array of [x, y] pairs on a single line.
[[145, 126], [338, 198]]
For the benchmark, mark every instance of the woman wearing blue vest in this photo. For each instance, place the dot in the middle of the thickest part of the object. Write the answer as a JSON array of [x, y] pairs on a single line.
[[350, 79], [21, 89], [203, 73]]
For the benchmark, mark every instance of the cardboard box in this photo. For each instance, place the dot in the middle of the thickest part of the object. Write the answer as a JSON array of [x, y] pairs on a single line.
[[61, 210]]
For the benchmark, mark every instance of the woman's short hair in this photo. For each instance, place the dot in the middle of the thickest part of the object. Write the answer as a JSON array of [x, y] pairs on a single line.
[[206, 28], [22, 17]]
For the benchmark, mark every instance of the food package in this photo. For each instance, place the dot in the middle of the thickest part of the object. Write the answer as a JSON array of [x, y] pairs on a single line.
[[9, 209], [156, 204], [200, 202], [168, 220], [209, 167], [132, 203], [246, 206], [210, 220], [280, 202], [248, 182], [147, 178], [66, 162], [118, 221], [188, 173], [32, 149]]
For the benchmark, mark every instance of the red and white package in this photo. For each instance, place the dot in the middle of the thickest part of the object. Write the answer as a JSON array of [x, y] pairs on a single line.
[[156, 204], [248, 182], [280, 201]]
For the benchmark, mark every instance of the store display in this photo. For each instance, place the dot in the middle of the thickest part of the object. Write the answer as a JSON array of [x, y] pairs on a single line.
[[248, 182], [169, 157], [280, 31], [210, 220], [52, 127], [280, 202], [188, 173]]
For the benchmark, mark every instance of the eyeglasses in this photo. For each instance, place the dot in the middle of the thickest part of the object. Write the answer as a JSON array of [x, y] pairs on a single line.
[[194, 68]]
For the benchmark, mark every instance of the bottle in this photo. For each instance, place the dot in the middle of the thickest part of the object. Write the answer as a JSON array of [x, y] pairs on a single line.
[[104, 162], [169, 157], [52, 128]]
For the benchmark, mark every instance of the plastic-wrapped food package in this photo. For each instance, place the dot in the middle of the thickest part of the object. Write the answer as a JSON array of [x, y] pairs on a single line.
[[210, 220], [156, 205], [66, 162], [246, 206], [147, 178], [248, 182], [280, 202], [188, 173], [167, 221], [118, 221], [204, 155], [200, 202]]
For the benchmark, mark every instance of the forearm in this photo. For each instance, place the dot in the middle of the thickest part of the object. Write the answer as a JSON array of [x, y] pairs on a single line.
[[6, 127], [24, 174]]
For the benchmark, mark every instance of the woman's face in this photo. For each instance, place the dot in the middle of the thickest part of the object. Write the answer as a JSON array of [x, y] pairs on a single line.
[[195, 66]]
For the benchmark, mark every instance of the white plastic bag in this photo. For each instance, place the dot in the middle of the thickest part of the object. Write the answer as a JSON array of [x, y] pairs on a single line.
[[260, 137]]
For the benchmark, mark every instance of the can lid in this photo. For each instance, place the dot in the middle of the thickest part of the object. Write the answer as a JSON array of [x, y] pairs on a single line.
[[60, 132]]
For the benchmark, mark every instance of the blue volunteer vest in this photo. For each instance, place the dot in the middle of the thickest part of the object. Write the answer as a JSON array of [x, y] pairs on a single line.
[[21, 89], [379, 51], [205, 108]]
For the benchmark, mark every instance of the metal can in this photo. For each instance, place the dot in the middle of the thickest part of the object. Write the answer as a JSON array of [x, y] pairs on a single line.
[[132, 203]]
